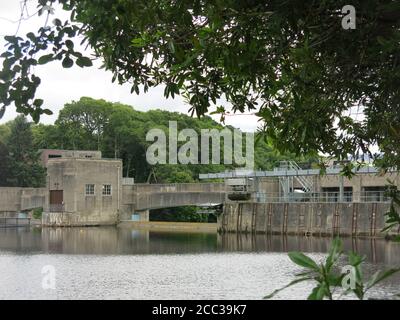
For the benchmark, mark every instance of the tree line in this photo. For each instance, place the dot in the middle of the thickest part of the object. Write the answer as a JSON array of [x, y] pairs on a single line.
[[118, 131]]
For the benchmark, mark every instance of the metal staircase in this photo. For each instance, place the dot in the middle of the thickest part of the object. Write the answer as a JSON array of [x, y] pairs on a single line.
[[306, 182]]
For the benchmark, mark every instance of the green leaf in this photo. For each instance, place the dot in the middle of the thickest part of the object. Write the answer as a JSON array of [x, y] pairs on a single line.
[[6, 75], [334, 253], [171, 47], [138, 42], [31, 36], [318, 293], [69, 44], [287, 286], [57, 22], [313, 294], [6, 54], [135, 88], [38, 103], [11, 39], [355, 259], [67, 62], [45, 59], [2, 111], [303, 261], [84, 62], [47, 111], [35, 116], [380, 276]]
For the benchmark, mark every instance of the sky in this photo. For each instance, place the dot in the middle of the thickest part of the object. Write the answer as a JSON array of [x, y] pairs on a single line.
[[60, 86]]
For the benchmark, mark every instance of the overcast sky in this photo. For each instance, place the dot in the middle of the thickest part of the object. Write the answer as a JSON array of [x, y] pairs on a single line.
[[60, 86]]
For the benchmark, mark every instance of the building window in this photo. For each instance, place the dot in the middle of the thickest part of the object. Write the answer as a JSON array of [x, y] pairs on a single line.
[[106, 189], [89, 189]]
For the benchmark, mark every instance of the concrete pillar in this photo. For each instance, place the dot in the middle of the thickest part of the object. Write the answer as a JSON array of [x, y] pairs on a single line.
[[341, 189], [357, 188], [144, 215], [285, 188]]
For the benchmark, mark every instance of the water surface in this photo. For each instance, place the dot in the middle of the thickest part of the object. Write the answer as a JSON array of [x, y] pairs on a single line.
[[123, 263]]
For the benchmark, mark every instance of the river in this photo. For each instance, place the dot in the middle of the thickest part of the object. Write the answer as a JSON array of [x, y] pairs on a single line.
[[124, 263]]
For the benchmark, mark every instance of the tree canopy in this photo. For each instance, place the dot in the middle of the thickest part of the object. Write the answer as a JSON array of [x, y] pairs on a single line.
[[119, 131], [291, 61], [19, 158]]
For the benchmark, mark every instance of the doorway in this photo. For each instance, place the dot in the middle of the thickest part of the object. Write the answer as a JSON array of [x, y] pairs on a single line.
[[56, 200]]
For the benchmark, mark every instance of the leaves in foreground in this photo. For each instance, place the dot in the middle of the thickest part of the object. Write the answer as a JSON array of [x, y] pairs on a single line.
[[393, 216], [329, 277]]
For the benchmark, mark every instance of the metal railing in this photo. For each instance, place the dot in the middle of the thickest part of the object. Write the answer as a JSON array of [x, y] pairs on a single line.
[[57, 208], [366, 196], [287, 172], [179, 187]]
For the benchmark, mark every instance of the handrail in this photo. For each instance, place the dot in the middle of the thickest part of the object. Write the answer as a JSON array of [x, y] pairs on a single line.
[[348, 196]]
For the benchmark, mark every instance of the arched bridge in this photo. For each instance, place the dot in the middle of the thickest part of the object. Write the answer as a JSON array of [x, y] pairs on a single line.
[[141, 197]]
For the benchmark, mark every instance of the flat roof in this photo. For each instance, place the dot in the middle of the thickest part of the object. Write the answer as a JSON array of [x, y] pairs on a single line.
[[68, 150], [83, 159]]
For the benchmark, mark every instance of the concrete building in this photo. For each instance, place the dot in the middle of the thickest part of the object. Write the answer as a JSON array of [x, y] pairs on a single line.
[[82, 189], [47, 154]]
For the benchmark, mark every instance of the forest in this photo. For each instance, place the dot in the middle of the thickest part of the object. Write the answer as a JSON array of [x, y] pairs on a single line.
[[118, 131]]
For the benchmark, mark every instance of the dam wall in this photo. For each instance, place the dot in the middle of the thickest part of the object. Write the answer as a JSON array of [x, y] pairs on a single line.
[[320, 219]]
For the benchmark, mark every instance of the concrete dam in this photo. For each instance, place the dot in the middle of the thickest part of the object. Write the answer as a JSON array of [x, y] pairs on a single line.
[[296, 201], [319, 219]]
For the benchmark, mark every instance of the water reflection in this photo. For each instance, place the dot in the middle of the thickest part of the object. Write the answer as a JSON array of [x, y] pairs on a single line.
[[123, 263], [376, 250], [104, 241], [113, 241]]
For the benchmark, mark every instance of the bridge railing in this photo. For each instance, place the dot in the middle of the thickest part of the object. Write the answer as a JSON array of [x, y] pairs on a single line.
[[179, 187]]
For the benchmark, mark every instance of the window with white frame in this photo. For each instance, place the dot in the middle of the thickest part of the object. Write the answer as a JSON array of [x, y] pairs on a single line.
[[106, 190], [89, 189]]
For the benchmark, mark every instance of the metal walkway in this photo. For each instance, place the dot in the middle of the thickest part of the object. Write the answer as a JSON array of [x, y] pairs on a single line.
[[284, 173]]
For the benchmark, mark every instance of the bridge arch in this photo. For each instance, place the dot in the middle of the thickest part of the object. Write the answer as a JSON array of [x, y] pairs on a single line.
[[143, 197]]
